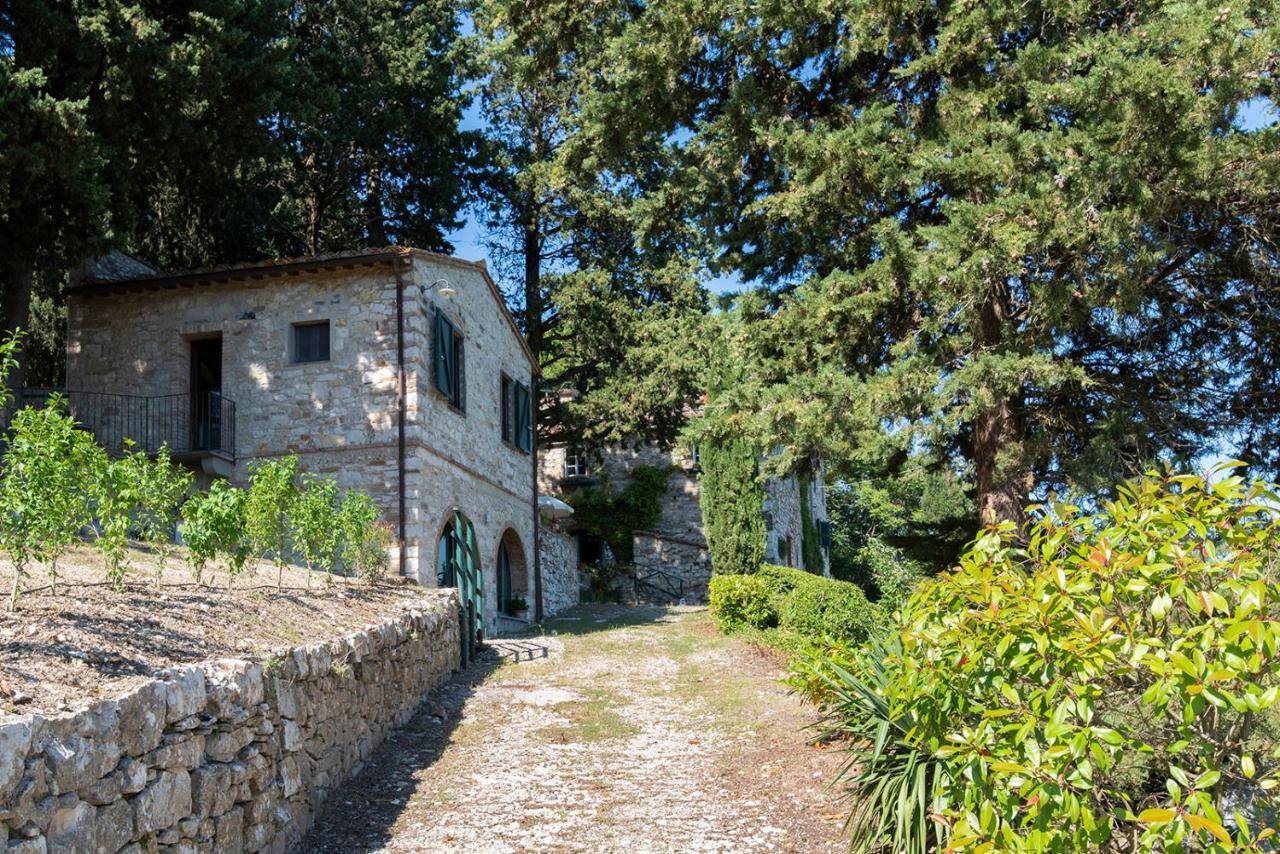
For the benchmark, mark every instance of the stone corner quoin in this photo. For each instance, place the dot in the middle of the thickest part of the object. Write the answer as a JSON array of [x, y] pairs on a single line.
[[227, 755]]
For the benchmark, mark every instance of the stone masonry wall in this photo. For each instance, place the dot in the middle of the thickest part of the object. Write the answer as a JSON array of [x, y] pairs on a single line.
[[224, 756], [561, 587], [684, 565]]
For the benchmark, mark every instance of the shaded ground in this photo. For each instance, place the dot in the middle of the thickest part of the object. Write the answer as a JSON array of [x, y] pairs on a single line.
[[636, 731], [89, 641]]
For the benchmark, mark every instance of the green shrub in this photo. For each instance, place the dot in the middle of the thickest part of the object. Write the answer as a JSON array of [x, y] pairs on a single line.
[[803, 604], [741, 601], [1098, 688], [893, 573], [835, 608]]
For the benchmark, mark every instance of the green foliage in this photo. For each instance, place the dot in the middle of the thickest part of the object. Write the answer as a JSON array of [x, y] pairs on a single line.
[[815, 607], [834, 608], [213, 528], [892, 574], [50, 471], [732, 505], [1003, 234], [924, 517], [115, 493], [810, 544], [1101, 683], [892, 781], [741, 601], [273, 492], [364, 539], [730, 491], [615, 515], [608, 297], [316, 529], [161, 487]]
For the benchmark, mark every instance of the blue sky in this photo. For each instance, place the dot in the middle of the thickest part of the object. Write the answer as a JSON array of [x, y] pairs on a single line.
[[468, 241]]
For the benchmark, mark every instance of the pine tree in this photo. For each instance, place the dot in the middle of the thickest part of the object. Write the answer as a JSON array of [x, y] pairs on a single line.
[[608, 299], [1027, 242]]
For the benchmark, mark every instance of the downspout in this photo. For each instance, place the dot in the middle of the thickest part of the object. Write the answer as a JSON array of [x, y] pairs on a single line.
[[401, 405], [537, 519]]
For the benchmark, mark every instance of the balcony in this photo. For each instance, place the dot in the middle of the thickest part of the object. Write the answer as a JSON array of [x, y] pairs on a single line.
[[197, 428]]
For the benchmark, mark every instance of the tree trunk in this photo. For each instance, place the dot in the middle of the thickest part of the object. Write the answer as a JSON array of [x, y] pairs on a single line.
[[1002, 480], [17, 311], [375, 221], [532, 250]]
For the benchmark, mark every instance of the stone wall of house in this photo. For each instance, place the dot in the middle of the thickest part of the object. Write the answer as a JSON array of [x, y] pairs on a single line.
[[677, 543], [340, 416], [782, 519], [227, 756], [561, 582], [671, 570]]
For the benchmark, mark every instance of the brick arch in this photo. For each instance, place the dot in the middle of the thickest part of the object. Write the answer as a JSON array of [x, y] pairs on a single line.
[[517, 564], [442, 530]]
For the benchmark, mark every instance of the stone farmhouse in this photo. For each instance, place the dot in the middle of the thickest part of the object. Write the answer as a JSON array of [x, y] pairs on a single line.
[[671, 560], [396, 371]]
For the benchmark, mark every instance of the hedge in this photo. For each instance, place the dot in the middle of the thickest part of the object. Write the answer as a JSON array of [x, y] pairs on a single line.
[[794, 601]]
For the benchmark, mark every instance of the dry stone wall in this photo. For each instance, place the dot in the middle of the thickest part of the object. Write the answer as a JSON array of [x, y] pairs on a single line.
[[226, 756], [561, 583]]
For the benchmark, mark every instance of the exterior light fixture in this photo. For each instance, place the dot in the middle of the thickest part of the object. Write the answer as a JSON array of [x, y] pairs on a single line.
[[443, 287]]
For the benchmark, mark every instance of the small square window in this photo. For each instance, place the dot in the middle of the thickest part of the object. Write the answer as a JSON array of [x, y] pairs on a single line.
[[576, 463], [311, 342]]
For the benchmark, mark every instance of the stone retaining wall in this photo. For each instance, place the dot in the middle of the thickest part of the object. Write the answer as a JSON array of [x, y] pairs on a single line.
[[224, 756]]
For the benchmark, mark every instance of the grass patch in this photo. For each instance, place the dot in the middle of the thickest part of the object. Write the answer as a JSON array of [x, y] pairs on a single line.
[[590, 720]]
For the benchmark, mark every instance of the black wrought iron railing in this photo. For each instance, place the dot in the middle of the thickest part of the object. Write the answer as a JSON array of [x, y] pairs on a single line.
[[186, 423]]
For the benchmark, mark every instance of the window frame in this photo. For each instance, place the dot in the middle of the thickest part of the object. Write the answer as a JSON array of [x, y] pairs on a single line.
[[507, 409], [298, 329], [454, 367], [581, 466]]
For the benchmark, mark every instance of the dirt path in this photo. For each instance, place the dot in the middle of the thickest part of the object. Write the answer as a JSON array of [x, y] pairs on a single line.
[[629, 731]]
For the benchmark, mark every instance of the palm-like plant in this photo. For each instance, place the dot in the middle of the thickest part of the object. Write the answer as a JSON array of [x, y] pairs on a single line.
[[891, 782]]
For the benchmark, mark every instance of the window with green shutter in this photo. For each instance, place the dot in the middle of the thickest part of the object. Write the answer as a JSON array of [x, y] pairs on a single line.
[[447, 356], [523, 418]]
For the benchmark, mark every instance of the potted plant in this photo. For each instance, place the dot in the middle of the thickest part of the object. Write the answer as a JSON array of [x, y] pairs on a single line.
[[517, 607]]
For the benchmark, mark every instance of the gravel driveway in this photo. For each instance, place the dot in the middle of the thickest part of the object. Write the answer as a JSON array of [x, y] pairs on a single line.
[[623, 730]]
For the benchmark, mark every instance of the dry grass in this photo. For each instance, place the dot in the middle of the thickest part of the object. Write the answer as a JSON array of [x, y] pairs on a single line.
[[90, 640]]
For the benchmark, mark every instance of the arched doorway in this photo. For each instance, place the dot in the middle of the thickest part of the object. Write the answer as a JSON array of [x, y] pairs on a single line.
[[512, 574], [458, 565]]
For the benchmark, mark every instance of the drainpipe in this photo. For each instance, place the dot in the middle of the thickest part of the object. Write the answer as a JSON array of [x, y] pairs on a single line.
[[401, 405], [537, 520]]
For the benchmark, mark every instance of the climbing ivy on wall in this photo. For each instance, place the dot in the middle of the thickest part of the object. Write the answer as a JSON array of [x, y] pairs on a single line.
[[811, 547], [615, 515]]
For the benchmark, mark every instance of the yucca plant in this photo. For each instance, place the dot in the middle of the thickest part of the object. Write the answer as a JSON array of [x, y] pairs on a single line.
[[890, 783]]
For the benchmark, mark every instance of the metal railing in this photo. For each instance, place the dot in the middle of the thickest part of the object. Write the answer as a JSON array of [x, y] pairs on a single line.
[[186, 423]]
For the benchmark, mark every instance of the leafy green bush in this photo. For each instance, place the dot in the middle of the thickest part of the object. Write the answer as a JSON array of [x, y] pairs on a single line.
[[213, 528], [1097, 688], [273, 489], [364, 539], [835, 608], [741, 601], [893, 573], [49, 469], [316, 532], [800, 603], [161, 489]]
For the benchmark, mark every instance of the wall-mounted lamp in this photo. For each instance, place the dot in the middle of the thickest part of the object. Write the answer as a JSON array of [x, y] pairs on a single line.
[[443, 288]]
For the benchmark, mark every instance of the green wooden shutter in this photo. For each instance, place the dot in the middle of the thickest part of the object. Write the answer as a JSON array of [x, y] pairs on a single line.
[[443, 351], [524, 423]]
